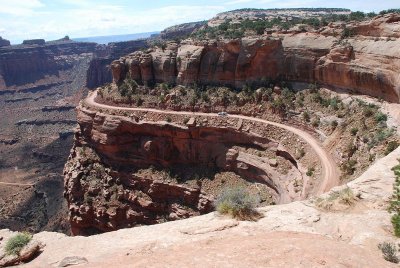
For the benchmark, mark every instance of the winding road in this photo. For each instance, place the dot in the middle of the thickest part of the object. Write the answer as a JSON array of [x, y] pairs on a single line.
[[330, 172]]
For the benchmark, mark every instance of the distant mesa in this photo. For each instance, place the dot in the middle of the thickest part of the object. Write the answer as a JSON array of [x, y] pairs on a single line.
[[34, 42], [64, 39], [4, 42]]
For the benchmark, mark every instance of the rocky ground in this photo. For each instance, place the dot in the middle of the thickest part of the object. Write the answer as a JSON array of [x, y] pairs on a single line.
[[299, 234]]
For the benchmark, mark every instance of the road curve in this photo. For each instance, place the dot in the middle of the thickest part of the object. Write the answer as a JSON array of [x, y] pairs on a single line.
[[330, 172]]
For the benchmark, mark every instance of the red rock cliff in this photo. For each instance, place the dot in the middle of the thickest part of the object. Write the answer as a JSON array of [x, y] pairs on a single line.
[[364, 63]]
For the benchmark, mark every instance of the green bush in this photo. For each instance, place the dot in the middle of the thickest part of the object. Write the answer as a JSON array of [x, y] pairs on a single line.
[[238, 203], [380, 117], [353, 131], [15, 244], [347, 33], [394, 206]]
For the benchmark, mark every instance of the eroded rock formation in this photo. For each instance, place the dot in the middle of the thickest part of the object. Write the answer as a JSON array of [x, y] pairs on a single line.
[[99, 72], [103, 195], [364, 64]]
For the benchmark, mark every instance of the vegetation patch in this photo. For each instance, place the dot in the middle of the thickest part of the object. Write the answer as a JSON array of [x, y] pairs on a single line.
[[395, 202], [238, 203], [16, 243], [338, 200], [389, 252]]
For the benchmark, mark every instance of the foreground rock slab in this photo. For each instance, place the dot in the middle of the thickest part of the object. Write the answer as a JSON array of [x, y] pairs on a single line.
[[292, 235]]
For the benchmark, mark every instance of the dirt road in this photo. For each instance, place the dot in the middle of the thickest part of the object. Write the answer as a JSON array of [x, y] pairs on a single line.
[[330, 176]]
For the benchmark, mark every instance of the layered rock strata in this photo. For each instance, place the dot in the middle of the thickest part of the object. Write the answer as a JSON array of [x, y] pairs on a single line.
[[365, 64], [99, 72], [103, 195], [26, 64]]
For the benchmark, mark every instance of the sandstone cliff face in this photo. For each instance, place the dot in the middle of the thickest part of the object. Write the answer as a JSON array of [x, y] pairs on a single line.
[[103, 195], [99, 72], [363, 64], [23, 64]]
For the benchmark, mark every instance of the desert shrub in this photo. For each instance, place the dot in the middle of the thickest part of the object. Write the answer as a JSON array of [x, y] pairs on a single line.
[[164, 86], [313, 88], [15, 244], [381, 135], [350, 149], [310, 171], [334, 103], [306, 116], [238, 203], [349, 167], [169, 120], [139, 101], [353, 131], [334, 123], [368, 111], [389, 252], [392, 145], [347, 33], [301, 153], [344, 197], [315, 122], [394, 206], [380, 117]]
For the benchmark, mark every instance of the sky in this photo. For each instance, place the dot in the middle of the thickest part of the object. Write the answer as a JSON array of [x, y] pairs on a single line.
[[53, 19]]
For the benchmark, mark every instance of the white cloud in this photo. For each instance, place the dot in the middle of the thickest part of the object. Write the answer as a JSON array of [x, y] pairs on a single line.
[[20, 7], [235, 2], [102, 19]]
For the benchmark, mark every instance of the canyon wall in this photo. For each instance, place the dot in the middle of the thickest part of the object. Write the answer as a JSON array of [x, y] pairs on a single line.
[[104, 193], [25, 64], [32, 61], [99, 72], [363, 63]]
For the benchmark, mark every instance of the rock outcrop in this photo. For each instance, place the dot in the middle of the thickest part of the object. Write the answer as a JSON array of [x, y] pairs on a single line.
[[99, 72], [297, 234], [39, 42], [4, 42], [363, 64], [181, 30], [103, 195]]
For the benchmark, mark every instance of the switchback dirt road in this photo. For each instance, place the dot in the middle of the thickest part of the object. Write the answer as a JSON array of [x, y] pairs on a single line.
[[330, 172]]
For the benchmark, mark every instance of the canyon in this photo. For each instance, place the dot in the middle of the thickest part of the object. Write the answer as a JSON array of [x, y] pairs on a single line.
[[40, 86], [129, 146], [109, 147]]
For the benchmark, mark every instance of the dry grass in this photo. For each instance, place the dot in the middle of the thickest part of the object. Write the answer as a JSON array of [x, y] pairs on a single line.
[[339, 200], [238, 203]]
